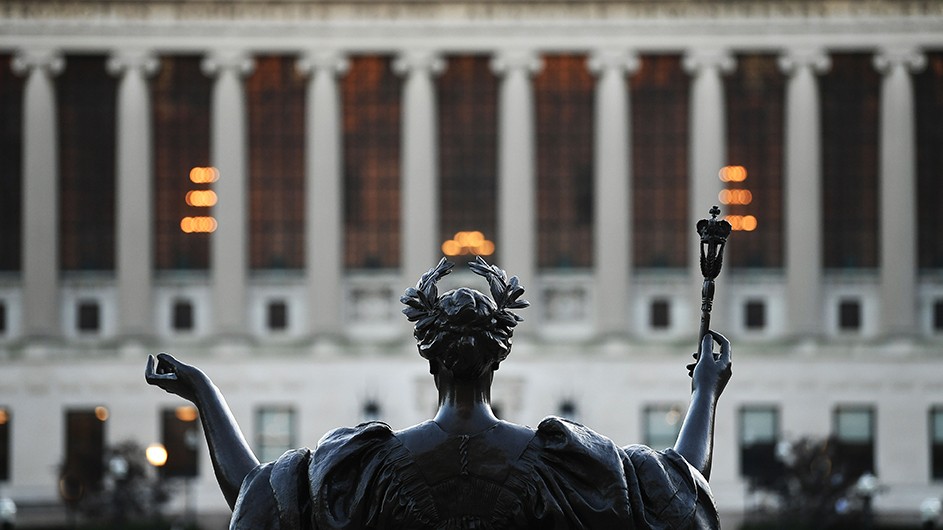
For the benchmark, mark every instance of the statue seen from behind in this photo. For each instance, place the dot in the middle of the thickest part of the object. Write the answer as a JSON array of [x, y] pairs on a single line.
[[465, 468]]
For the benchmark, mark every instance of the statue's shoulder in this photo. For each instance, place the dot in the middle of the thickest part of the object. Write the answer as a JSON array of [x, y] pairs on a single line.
[[344, 440], [560, 433]]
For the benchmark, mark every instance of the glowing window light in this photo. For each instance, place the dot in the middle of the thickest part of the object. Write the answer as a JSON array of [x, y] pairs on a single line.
[[201, 198], [198, 224], [468, 242], [186, 413], [732, 174], [204, 175], [156, 454], [735, 196], [744, 223]]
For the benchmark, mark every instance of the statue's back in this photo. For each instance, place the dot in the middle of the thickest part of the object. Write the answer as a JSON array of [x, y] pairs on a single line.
[[560, 475]]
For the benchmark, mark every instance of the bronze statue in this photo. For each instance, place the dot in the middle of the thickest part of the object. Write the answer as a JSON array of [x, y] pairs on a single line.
[[465, 468]]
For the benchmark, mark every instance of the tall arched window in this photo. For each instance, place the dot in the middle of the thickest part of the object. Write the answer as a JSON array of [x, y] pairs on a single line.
[[755, 95], [86, 108], [180, 97], [371, 100], [928, 87], [660, 225], [467, 100], [850, 96], [276, 108], [11, 170], [564, 101]]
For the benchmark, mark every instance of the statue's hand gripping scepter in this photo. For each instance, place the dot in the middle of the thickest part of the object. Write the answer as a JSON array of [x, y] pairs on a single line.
[[713, 234]]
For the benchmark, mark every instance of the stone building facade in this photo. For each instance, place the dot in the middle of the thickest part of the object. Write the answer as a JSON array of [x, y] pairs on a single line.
[[251, 184]]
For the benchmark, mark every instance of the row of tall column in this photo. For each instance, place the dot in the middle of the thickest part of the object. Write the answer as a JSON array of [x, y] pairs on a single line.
[[516, 178]]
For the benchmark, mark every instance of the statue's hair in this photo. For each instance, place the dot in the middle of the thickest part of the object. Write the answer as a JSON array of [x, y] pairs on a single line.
[[464, 330]]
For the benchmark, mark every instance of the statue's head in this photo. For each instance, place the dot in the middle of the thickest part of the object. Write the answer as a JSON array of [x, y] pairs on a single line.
[[464, 330]]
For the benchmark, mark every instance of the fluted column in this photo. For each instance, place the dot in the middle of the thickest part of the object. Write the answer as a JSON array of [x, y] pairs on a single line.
[[420, 159], [40, 223], [324, 227], [707, 150], [229, 154], [613, 189], [134, 196], [803, 194], [517, 222], [898, 210]]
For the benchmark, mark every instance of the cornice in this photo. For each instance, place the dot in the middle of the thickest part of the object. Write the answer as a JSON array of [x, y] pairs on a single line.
[[473, 9], [463, 26]]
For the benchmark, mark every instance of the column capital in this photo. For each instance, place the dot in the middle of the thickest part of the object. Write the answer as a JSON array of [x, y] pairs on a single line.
[[602, 60], [331, 61], [907, 57], [411, 61], [218, 61], [50, 60], [122, 61], [505, 61], [791, 61], [696, 61]]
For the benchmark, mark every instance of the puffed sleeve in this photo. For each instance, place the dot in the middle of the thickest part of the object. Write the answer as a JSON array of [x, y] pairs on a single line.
[[363, 476], [336, 486], [582, 479], [671, 493], [275, 495]]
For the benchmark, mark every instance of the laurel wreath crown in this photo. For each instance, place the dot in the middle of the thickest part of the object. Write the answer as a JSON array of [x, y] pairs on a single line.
[[424, 308]]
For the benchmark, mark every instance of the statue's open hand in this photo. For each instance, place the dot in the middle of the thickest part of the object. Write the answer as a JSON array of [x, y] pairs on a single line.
[[174, 376], [707, 371]]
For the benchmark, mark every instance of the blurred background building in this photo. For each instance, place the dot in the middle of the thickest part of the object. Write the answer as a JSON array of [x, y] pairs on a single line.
[[251, 184]]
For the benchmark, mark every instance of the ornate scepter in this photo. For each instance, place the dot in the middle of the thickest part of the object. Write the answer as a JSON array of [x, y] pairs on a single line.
[[713, 234]]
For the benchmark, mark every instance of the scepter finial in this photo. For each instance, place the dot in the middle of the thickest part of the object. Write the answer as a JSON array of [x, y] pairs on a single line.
[[713, 234]]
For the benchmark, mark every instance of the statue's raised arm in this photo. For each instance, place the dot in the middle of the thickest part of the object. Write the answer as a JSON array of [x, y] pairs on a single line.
[[232, 458], [709, 376], [710, 371]]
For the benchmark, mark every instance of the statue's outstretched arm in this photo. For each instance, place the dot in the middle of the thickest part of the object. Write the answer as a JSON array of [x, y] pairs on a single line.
[[232, 458], [709, 376]]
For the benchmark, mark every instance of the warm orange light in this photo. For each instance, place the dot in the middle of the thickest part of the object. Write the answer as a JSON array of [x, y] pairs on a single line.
[[749, 223], [468, 242], [735, 196], [451, 248], [156, 454], [186, 413], [204, 175], [201, 198], [199, 224], [4, 417], [101, 413], [745, 223], [732, 174]]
